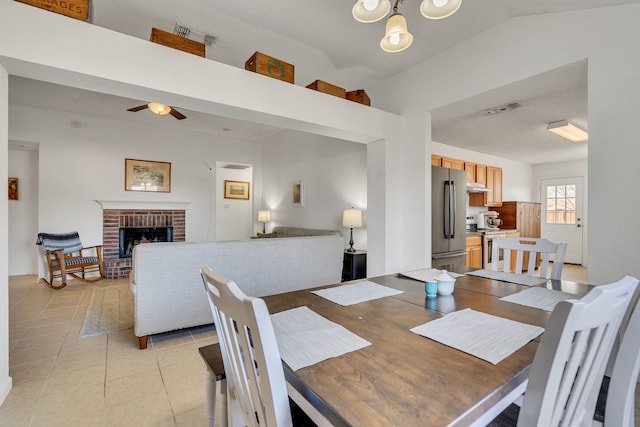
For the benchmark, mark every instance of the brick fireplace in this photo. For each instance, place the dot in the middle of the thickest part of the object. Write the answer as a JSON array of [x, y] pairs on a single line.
[[114, 220]]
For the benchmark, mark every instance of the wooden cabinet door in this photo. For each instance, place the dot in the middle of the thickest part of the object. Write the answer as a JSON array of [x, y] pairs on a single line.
[[436, 160], [476, 257], [494, 182], [481, 174], [471, 171], [452, 163]]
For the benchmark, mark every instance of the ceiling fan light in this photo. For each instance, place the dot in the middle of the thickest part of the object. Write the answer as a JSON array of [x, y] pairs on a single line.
[[159, 109], [568, 131], [368, 11], [397, 38], [438, 9]]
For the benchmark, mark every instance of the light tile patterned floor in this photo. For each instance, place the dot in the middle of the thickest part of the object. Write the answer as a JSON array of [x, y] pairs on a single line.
[[62, 380]]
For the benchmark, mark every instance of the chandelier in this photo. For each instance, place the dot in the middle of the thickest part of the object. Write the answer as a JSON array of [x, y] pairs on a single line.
[[397, 37]]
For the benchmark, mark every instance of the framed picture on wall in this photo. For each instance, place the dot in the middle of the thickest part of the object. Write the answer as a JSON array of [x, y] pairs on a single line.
[[146, 175], [297, 193], [236, 190], [13, 188]]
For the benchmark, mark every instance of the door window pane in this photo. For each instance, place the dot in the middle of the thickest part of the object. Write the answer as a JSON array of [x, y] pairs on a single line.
[[561, 204]]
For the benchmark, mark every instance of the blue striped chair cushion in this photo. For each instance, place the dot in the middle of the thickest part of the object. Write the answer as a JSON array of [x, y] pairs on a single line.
[[69, 242], [69, 262]]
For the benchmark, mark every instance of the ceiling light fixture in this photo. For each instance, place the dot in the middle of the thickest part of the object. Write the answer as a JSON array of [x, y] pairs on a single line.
[[568, 131], [159, 109], [397, 38]]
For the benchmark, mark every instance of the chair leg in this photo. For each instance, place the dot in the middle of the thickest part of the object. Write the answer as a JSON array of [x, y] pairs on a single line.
[[50, 283]]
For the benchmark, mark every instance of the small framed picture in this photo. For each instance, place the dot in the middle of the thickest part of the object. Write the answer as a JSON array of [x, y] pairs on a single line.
[[236, 190], [297, 193], [13, 188], [146, 175]]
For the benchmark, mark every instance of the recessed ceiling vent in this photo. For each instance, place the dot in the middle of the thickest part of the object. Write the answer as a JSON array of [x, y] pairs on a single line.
[[501, 109], [236, 167]]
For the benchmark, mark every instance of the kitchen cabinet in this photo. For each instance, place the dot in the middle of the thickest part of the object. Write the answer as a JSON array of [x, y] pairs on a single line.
[[491, 198], [474, 251], [436, 160], [476, 173], [523, 216], [450, 163]]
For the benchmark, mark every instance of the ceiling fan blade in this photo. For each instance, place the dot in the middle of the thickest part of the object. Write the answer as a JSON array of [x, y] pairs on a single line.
[[177, 114], [138, 108]]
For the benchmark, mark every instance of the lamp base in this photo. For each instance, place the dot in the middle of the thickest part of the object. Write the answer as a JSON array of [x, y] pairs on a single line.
[[351, 250]]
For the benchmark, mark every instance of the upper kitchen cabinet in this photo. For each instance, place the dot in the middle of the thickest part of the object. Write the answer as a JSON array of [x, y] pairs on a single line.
[[452, 163], [491, 198], [476, 174], [436, 160]]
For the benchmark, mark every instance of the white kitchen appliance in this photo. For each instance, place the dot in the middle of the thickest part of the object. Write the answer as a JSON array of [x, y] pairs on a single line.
[[489, 220]]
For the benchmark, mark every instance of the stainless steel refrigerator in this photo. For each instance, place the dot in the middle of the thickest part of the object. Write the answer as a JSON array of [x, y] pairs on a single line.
[[448, 219]]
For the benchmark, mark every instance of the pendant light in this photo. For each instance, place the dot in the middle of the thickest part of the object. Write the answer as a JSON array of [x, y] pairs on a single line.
[[368, 11], [438, 9], [396, 38]]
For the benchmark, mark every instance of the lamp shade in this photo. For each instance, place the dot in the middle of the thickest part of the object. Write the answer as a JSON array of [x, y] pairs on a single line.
[[264, 216], [352, 218], [397, 38], [159, 109], [438, 9], [368, 11], [568, 131]]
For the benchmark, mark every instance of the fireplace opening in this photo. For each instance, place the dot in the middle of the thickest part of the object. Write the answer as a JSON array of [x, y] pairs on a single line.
[[129, 237]]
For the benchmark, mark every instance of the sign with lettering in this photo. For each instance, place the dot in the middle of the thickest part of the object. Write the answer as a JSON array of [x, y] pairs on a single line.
[[78, 9]]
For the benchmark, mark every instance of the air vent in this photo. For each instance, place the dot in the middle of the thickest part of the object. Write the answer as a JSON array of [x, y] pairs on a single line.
[[182, 31], [236, 167], [501, 109]]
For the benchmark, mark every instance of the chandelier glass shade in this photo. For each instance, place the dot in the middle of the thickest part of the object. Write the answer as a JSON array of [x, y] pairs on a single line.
[[438, 9], [368, 11], [396, 38], [159, 109]]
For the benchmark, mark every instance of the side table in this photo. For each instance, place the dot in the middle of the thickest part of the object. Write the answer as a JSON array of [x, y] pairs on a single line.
[[354, 265]]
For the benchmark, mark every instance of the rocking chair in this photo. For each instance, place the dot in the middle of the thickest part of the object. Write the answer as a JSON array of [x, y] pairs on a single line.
[[65, 255]]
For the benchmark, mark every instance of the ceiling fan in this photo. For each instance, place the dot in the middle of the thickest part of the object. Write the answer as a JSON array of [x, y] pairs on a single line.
[[160, 109]]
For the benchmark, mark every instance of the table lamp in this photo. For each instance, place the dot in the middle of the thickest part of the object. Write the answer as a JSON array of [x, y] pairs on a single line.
[[264, 217], [351, 218]]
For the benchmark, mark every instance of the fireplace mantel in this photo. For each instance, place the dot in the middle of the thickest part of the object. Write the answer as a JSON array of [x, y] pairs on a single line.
[[148, 205]]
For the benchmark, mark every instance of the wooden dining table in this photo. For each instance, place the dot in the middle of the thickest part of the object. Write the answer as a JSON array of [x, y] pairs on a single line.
[[402, 378]]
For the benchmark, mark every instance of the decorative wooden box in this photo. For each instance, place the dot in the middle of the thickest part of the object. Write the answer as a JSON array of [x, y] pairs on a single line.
[[270, 66], [177, 42], [359, 96], [325, 87], [78, 9]]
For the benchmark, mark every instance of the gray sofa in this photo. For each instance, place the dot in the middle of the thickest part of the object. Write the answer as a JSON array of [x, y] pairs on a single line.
[[298, 232], [169, 293]]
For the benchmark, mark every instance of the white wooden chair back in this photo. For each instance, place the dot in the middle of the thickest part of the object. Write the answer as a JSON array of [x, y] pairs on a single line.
[[569, 364], [620, 407], [533, 246], [255, 379]]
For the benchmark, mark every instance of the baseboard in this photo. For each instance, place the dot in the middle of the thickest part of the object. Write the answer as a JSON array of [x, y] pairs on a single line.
[[5, 388]]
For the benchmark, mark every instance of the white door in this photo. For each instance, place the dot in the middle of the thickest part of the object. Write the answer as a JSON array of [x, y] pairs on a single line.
[[562, 215]]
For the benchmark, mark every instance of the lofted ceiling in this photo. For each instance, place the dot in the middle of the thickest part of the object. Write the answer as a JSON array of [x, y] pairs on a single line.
[[324, 42]]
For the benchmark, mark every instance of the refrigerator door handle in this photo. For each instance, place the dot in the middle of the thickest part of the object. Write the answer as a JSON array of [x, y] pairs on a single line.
[[448, 255], [452, 211], [446, 207]]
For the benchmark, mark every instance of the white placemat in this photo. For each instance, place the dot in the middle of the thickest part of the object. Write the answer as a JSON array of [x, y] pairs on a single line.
[[542, 298], [519, 279], [425, 274], [306, 338], [356, 293], [487, 337]]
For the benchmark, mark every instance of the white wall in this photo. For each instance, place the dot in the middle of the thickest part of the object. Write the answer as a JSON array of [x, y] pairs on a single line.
[[5, 379], [23, 213], [527, 46], [78, 165], [334, 175], [234, 217]]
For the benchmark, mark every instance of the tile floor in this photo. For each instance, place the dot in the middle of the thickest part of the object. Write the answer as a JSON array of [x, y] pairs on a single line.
[[62, 380]]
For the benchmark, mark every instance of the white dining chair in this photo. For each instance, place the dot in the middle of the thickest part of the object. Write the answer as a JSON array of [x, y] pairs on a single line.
[[532, 246], [567, 370], [618, 405], [257, 393]]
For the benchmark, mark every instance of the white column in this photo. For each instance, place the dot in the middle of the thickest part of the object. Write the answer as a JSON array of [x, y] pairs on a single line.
[[5, 379]]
